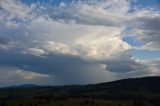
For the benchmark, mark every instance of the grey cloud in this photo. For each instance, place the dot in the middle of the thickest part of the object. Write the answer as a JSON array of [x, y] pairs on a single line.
[[13, 76], [4, 40], [122, 66], [147, 29], [6, 43], [150, 22], [70, 69], [156, 63], [125, 63]]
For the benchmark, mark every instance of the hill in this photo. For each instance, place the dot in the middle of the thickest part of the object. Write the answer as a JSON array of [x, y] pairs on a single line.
[[128, 92]]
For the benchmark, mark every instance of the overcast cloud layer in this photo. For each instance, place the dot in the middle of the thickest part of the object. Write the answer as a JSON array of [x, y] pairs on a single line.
[[76, 42]]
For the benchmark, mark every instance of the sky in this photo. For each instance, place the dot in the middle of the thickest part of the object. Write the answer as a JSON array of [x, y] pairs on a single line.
[[63, 42]]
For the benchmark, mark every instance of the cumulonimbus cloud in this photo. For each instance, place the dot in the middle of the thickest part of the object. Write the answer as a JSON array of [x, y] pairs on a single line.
[[80, 42]]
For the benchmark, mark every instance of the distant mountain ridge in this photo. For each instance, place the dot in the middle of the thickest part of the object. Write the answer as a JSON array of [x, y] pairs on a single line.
[[152, 81], [24, 86]]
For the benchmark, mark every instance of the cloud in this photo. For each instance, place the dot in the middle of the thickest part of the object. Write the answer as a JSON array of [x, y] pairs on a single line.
[[91, 47], [102, 13], [146, 26], [13, 75], [14, 8], [67, 68], [35, 51], [76, 43], [30, 75], [155, 67], [101, 47], [76, 39], [126, 63], [6, 43]]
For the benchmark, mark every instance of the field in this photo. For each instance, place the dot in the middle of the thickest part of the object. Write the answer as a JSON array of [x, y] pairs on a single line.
[[69, 102]]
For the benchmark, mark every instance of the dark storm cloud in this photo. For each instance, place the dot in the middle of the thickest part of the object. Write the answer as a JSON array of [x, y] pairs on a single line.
[[70, 69], [122, 66], [53, 62]]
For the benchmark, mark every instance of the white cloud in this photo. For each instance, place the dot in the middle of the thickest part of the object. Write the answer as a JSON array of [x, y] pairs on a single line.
[[101, 47], [58, 48], [35, 51], [15, 9], [84, 40], [102, 13], [27, 75], [99, 43]]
